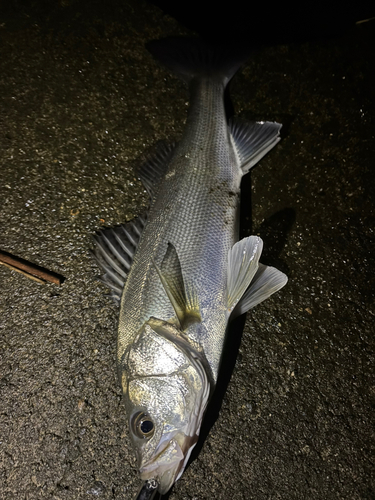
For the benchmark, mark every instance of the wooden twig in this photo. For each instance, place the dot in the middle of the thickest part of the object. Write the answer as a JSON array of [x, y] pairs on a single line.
[[365, 20], [29, 269]]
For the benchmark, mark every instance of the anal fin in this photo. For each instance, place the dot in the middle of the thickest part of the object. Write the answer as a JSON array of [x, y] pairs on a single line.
[[253, 140]]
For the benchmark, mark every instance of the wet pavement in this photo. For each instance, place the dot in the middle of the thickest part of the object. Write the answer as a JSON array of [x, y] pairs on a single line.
[[80, 100]]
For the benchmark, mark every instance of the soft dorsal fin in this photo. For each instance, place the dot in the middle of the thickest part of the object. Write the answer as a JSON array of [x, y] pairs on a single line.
[[153, 170], [183, 298], [114, 252], [252, 140], [243, 260]]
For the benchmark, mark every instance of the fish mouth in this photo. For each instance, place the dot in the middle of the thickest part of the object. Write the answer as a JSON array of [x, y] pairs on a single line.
[[169, 461]]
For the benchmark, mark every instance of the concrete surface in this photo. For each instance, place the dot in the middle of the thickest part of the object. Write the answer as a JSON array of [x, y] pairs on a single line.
[[81, 100]]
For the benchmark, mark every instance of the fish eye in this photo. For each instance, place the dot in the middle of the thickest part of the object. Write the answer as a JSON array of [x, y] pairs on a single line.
[[142, 425]]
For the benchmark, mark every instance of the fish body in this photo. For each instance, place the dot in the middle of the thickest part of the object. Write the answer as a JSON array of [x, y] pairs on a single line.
[[195, 210], [180, 270]]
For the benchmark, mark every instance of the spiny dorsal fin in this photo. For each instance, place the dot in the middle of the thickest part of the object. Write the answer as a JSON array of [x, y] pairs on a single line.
[[183, 299], [114, 252], [154, 168], [253, 140], [267, 280]]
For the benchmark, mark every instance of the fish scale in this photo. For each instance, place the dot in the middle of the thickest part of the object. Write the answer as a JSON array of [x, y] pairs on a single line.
[[181, 273], [189, 211]]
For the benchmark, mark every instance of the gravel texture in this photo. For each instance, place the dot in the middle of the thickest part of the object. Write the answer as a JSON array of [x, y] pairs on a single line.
[[80, 100]]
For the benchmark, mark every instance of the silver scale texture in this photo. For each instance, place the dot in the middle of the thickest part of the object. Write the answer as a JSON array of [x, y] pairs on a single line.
[[196, 210]]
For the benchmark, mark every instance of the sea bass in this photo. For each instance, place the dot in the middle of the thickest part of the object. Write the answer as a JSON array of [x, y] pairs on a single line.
[[179, 272]]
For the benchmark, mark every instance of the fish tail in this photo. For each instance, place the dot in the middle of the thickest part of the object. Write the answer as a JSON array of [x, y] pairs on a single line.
[[193, 58]]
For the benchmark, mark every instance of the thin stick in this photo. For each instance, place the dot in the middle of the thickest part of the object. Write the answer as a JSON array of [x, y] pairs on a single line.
[[29, 269]]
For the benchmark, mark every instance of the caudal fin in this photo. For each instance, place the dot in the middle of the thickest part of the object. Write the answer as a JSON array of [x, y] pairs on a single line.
[[193, 58]]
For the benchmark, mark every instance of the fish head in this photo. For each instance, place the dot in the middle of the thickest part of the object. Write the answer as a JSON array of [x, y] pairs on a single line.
[[166, 389]]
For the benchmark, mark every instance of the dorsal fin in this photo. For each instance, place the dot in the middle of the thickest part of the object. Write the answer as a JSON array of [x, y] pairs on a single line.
[[114, 252], [183, 298], [253, 140], [155, 166]]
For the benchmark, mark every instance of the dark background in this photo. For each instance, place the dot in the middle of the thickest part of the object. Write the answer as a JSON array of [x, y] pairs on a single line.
[[80, 100]]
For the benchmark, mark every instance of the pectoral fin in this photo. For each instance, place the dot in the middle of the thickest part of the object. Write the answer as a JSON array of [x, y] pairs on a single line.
[[183, 298]]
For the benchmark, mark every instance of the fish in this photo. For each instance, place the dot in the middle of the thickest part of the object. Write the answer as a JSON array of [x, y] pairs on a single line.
[[179, 272]]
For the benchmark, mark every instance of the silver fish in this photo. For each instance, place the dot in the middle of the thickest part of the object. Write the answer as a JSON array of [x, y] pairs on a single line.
[[179, 273]]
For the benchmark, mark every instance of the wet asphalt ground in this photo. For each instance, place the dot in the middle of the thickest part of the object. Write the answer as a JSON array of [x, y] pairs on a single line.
[[80, 101]]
